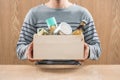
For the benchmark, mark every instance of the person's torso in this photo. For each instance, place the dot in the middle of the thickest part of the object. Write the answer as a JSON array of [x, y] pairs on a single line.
[[71, 15]]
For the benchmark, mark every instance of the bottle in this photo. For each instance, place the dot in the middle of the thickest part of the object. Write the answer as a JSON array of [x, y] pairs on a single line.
[[78, 30], [52, 24]]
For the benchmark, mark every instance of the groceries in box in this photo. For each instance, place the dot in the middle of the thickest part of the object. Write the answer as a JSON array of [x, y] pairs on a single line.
[[59, 42]]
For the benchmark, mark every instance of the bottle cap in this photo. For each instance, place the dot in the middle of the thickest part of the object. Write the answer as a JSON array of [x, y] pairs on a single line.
[[83, 22]]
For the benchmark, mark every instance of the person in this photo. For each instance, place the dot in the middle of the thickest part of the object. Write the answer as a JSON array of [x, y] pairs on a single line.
[[63, 11]]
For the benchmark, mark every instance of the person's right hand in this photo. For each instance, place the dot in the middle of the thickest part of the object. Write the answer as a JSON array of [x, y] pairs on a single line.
[[29, 52]]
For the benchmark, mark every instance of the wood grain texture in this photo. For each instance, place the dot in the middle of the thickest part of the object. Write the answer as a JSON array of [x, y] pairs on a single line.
[[106, 14], [87, 72], [114, 41]]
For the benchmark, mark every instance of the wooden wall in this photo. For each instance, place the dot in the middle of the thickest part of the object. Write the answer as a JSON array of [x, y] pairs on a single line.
[[106, 14]]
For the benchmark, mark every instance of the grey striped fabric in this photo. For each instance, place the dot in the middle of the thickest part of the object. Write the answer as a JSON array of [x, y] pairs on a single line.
[[73, 15]]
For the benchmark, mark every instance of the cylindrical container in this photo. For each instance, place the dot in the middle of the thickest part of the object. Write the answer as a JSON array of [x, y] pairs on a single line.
[[63, 28]]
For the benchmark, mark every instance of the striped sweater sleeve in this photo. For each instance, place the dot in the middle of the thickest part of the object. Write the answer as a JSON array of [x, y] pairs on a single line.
[[26, 35], [91, 36]]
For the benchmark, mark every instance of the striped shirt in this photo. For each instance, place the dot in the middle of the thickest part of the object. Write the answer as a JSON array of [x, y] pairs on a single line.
[[73, 15]]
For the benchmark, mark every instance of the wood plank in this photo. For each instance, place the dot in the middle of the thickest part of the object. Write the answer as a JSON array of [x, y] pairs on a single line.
[[87, 72]]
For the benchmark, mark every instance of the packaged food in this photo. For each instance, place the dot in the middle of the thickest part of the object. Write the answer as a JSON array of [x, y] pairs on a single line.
[[63, 29], [52, 24], [42, 31]]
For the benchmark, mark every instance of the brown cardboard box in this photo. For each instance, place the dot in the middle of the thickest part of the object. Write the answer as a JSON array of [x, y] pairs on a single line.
[[58, 47]]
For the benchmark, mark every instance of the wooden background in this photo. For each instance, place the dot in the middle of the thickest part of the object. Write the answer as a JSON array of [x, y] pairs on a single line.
[[106, 14]]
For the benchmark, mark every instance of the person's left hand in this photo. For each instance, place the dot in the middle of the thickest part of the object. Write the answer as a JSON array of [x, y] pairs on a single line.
[[86, 52]]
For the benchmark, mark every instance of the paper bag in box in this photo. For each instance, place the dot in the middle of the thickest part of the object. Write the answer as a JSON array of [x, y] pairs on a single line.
[[58, 47]]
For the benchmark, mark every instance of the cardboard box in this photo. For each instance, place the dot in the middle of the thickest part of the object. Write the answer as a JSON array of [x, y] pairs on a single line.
[[58, 47]]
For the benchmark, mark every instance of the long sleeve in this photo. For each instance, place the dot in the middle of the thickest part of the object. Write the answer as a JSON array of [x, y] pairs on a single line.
[[36, 19], [91, 36], [26, 35]]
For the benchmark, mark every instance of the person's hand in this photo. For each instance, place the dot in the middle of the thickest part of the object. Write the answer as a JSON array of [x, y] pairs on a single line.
[[86, 52], [29, 52]]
